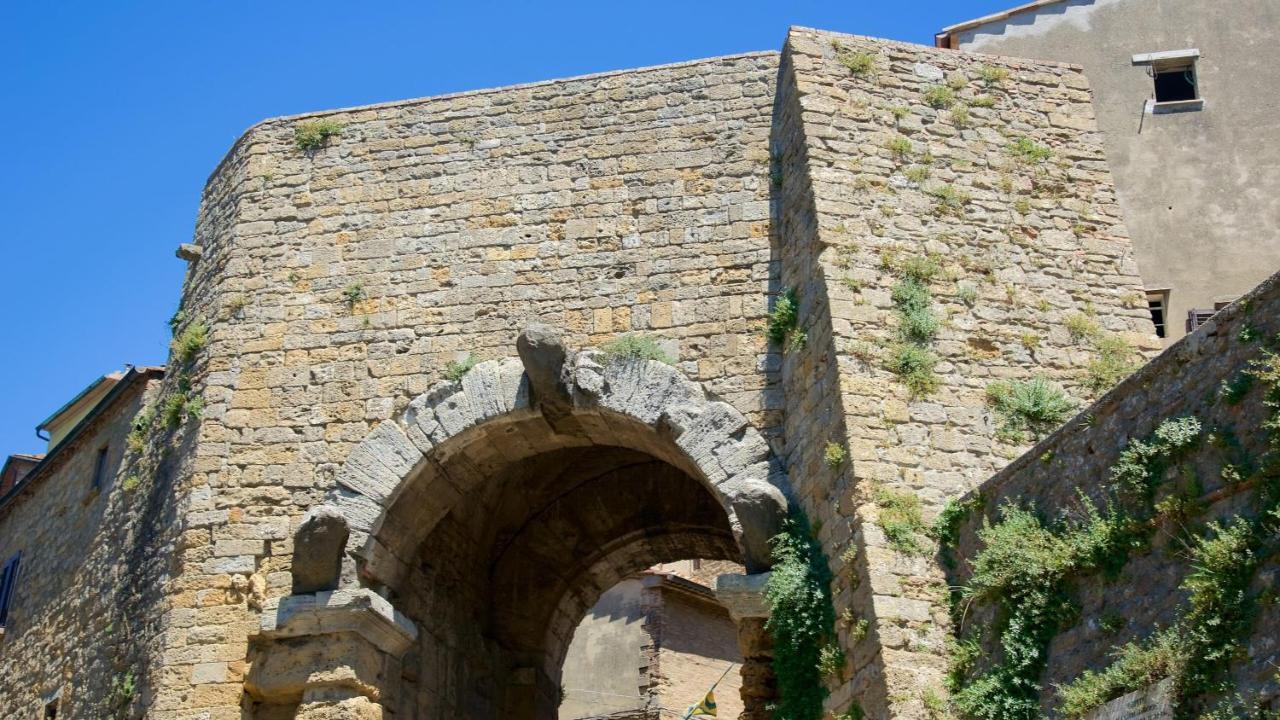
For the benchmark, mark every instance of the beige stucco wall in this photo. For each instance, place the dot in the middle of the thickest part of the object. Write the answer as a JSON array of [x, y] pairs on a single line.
[[602, 670], [1196, 187]]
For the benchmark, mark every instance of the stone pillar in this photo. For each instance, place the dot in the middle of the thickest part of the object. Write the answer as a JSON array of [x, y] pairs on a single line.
[[743, 597], [332, 653]]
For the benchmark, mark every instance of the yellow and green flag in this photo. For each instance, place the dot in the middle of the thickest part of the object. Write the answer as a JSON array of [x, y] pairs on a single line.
[[707, 707]]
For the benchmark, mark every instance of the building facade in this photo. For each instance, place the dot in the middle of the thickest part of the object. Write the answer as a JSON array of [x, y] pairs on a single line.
[[447, 370], [1185, 108]]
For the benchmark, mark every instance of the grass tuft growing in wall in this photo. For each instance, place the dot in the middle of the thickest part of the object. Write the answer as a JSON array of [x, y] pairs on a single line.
[[939, 97], [455, 370], [310, 135], [635, 347], [782, 327], [901, 520]]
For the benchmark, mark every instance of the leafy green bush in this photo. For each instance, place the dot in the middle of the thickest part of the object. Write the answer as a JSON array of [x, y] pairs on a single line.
[[309, 135], [455, 370], [782, 327], [914, 367], [1034, 406], [801, 620], [858, 63], [834, 455], [1116, 359]]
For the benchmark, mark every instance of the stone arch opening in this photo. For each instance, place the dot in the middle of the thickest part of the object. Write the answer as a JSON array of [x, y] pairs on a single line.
[[480, 526]]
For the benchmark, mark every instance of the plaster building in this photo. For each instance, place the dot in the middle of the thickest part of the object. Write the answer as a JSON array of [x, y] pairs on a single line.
[[1184, 98], [653, 645], [447, 370]]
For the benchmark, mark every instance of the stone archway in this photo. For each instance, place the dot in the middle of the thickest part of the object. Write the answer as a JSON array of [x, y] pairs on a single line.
[[476, 529]]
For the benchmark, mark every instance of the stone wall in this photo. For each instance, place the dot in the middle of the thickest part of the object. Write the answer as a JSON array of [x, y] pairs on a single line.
[[1219, 477], [341, 281], [84, 611], [874, 178]]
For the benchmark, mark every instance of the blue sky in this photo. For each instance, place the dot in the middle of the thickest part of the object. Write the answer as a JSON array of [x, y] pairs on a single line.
[[114, 113]]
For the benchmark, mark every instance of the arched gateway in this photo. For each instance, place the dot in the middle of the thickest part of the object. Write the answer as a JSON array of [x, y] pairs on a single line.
[[467, 538]]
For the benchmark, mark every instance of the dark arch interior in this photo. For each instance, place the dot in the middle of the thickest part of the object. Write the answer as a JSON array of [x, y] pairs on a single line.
[[517, 556]]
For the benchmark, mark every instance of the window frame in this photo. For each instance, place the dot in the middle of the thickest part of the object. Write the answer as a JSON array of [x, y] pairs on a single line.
[[8, 586], [100, 462], [1167, 61], [1162, 298]]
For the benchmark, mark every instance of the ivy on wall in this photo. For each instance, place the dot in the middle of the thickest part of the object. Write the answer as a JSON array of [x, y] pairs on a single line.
[[801, 620], [1026, 565]]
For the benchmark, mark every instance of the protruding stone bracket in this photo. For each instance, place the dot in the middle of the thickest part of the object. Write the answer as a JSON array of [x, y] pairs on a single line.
[[362, 612], [189, 252], [330, 653], [743, 595]]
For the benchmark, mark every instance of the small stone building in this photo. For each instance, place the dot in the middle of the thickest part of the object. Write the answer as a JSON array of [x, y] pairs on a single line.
[[653, 645]]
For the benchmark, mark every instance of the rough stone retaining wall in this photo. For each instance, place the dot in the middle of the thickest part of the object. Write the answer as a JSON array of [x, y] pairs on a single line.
[[1187, 380]]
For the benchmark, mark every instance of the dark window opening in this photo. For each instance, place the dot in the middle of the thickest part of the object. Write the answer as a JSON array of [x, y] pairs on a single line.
[[51, 711], [1175, 83], [1155, 304], [8, 581], [100, 469]]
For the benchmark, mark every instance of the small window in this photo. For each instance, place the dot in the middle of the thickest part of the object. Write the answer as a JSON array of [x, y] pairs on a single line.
[[51, 711], [100, 468], [1156, 302], [1176, 84], [1198, 317], [1175, 81], [8, 582]]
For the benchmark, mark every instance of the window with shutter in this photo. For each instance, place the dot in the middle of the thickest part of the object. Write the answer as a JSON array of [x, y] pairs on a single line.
[[1196, 318], [8, 581]]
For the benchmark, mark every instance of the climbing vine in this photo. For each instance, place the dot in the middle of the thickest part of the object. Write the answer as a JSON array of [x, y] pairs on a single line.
[[1026, 565], [801, 621]]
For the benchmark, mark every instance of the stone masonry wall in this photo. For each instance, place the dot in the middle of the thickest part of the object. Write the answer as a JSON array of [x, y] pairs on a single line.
[[339, 283], [910, 154], [83, 614], [1191, 379]]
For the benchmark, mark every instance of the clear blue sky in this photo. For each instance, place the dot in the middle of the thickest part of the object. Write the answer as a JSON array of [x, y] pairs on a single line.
[[114, 113]]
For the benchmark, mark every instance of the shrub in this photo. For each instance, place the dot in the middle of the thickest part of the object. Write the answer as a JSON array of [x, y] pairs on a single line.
[[782, 327], [960, 117], [982, 101], [914, 367], [309, 135], [834, 454], [831, 660], [1081, 327], [1034, 405], [939, 97], [1026, 150], [919, 268], [635, 347], [900, 519], [454, 370], [967, 294], [130, 483], [188, 344], [917, 325], [179, 406], [899, 111]]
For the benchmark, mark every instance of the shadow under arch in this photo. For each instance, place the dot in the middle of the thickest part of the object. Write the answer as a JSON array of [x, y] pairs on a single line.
[[495, 511]]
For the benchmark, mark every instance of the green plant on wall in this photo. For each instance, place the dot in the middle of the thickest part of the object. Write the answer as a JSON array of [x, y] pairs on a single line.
[[783, 327], [901, 519], [635, 347], [910, 358], [310, 135], [801, 620], [455, 370], [1035, 406]]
